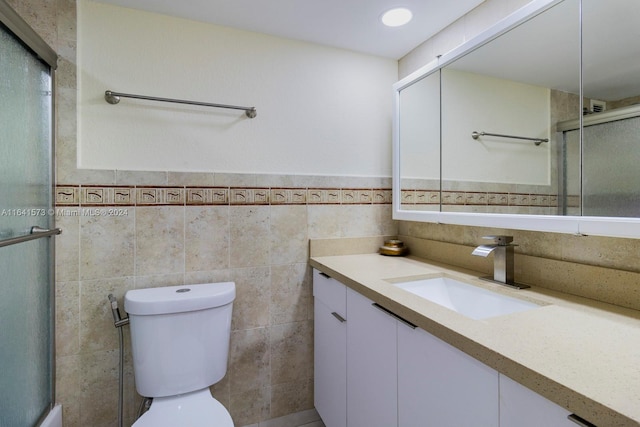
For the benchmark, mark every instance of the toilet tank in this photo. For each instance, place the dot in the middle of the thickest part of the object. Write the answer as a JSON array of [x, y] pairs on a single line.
[[179, 336]]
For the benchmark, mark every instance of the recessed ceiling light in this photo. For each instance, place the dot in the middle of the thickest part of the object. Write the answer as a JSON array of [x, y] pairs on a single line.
[[396, 17]]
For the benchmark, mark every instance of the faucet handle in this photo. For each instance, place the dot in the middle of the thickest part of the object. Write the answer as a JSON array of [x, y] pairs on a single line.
[[500, 240]]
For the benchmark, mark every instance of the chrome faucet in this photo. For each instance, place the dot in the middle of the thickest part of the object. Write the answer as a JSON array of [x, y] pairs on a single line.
[[503, 257]]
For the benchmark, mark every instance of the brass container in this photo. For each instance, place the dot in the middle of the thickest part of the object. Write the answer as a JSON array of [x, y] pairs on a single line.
[[393, 247]]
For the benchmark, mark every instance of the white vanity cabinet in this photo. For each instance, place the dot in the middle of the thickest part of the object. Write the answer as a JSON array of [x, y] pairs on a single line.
[[371, 365], [522, 407], [441, 386], [372, 370], [330, 349]]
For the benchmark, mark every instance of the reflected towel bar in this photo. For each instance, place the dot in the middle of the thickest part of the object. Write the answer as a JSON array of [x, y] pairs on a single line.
[[36, 233], [114, 98], [537, 141]]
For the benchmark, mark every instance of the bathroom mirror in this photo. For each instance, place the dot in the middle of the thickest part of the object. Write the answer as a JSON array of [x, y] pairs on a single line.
[[522, 78], [611, 125], [518, 85], [420, 150]]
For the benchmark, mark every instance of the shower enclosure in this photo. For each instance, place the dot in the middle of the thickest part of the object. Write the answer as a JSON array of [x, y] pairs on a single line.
[[26, 224], [606, 175]]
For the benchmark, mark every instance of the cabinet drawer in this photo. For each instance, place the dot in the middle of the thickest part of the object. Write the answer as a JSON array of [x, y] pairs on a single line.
[[331, 292]]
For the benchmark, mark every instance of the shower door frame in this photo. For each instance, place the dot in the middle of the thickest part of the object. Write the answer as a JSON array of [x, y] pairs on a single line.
[[23, 32]]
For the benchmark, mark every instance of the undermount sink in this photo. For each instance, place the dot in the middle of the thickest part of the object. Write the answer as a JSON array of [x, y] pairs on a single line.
[[466, 299]]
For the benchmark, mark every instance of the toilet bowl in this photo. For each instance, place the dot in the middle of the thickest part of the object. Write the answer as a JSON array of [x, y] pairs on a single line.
[[195, 409], [180, 346]]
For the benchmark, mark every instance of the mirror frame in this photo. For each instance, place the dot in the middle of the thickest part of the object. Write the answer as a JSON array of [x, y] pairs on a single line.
[[580, 225]]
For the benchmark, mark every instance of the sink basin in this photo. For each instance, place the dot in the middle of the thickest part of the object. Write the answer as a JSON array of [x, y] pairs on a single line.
[[468, 300]]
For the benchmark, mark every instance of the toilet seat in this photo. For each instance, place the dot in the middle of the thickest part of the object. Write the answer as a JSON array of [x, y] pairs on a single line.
[[195, 409]]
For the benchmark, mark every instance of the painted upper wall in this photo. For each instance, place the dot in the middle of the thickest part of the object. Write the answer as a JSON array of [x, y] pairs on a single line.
[[321, 111]]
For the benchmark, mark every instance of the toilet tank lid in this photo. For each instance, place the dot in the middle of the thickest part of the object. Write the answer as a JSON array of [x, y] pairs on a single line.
[[179, 299]]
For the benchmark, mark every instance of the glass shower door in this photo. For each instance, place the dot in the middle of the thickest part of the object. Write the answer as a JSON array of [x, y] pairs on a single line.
[[26, 289], [610, 168]]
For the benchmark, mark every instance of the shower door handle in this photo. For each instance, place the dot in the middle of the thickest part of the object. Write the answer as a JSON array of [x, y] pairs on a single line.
[[36, 233]]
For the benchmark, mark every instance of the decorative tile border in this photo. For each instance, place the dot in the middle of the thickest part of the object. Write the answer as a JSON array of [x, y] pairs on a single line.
[[97, 195], [478, 198]]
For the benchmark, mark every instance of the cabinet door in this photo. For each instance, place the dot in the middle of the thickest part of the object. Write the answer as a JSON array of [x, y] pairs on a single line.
[[371, 365], [330, 350], [330, 366], [522, 407], [441, 386]]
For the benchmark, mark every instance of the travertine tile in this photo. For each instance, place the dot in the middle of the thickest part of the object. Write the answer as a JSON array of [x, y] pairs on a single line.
[[354, 245], [249, 364], [214, 276], [41, 15], [288, 234], [68, 388], [249, 235], [99, 387], [305, 418], [291, 292], [359, 220], [66, 21], [97, 402], [386, 225], [107, 245], [159, 280], [291, 397], [291, 352], [67, 245], [159, 240], [66, 159], [253, 290], [206, 238], [324, 221], [67, 318], [97, 332], [68, 371], [66, 121], [251, 406]]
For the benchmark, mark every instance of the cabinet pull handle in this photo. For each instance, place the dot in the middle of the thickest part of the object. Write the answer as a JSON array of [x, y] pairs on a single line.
[[395, 316], [337, 316], [325, 275], [580, 421]]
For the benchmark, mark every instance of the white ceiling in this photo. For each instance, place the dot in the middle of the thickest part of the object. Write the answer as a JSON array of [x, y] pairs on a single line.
[[348, 24]]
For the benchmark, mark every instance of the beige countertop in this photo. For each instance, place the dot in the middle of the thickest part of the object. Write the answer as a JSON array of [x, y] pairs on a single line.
[[582, 354]]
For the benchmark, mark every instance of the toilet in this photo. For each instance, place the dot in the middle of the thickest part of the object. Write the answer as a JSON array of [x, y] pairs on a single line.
[[180, 345]]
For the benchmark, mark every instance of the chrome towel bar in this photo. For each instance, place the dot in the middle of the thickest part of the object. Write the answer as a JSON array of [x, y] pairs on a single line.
[[114, 98], [537, 141], [36, 233]]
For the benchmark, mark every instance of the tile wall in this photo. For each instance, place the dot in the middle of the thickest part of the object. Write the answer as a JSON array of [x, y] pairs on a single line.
[[261, 244]]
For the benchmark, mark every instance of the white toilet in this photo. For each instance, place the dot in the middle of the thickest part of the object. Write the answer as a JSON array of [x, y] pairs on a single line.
[[180, 343]]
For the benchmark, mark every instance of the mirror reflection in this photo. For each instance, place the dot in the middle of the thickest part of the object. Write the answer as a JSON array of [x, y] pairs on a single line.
[[525, 83], [511, 91], [419, 128], [611, 124]]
